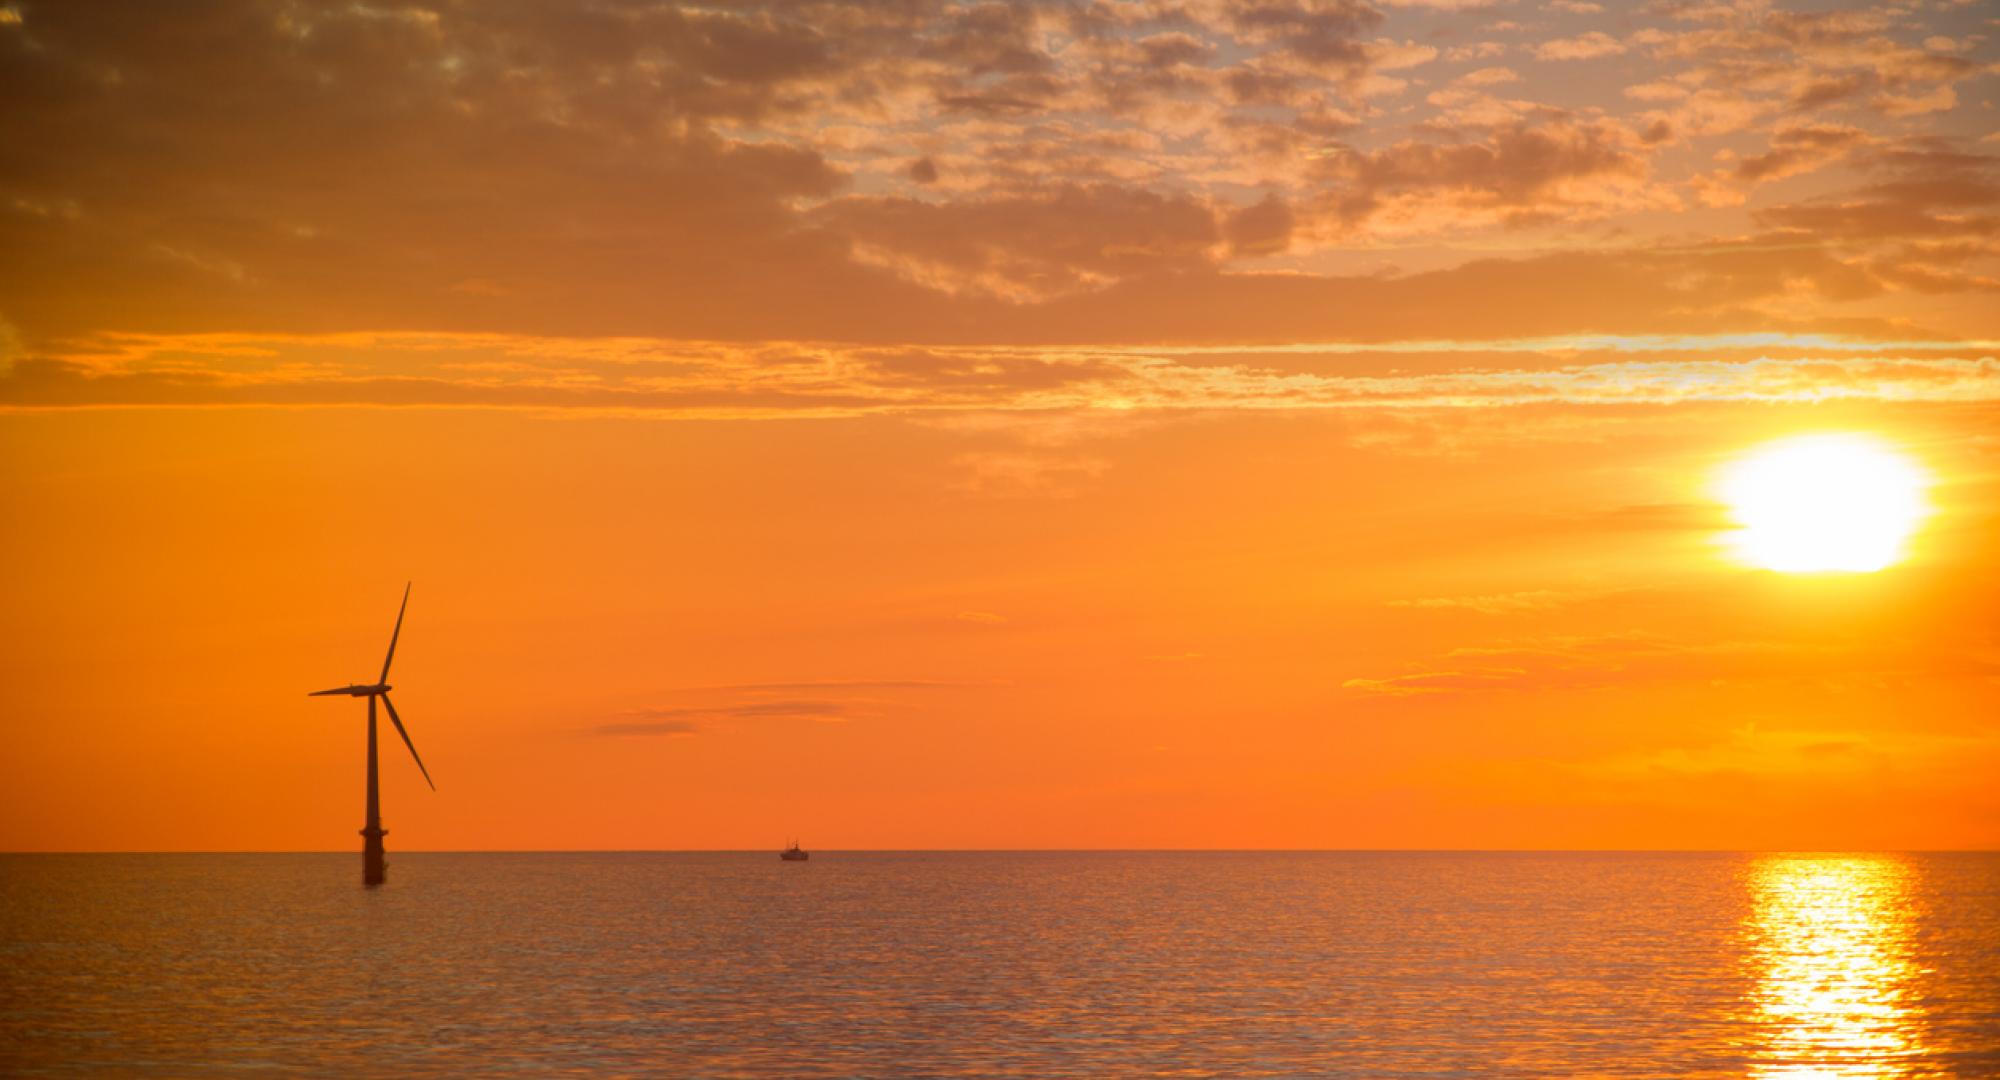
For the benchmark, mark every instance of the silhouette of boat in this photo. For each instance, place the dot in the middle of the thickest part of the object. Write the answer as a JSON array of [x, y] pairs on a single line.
[[794, 853]]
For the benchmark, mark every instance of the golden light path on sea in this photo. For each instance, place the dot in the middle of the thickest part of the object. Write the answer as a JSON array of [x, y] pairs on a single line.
[[1831, 943]]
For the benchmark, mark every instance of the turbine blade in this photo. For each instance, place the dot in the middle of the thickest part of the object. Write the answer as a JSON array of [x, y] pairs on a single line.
[[394, 634], [324, 693], [398, 721]]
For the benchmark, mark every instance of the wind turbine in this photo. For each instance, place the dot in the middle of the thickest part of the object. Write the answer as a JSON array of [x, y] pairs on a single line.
[[373, 870]]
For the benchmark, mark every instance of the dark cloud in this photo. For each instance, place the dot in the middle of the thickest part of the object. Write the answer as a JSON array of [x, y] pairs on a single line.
[[1262, 228], [1927, 224], [1798, 149], [1518, 170], [1925, 191], [828, 685], [754, 710], [687, 719], [244, 165], [565, 168], [645, 727], [1031, 246], [988, 39], [1317, 31], [916, 171], [1811, 60]]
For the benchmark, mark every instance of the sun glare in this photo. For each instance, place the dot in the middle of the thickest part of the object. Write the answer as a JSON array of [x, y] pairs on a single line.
[[1818, 503]]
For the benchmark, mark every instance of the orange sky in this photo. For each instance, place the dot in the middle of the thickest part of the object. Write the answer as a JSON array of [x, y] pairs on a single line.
[[1288, 424]]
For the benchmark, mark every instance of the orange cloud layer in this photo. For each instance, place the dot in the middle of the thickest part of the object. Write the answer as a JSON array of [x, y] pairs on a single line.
[[717, 379]]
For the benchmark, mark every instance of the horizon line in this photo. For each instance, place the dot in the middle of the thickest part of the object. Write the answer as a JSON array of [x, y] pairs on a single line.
[[1058, 851]]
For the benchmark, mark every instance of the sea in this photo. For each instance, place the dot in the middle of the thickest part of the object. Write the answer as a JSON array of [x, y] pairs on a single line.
[[1045, 964]]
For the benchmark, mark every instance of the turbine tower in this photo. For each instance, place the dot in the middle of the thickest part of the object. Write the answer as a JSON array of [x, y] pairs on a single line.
[[373, 870]]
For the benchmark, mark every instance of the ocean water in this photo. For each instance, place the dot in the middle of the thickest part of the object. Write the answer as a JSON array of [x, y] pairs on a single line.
[[992, 964]]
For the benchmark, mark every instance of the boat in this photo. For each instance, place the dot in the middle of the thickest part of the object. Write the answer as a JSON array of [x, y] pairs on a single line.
[[794, 853]]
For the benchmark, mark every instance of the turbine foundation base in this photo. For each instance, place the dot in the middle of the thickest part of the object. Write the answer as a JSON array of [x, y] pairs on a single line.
[[374, 861]]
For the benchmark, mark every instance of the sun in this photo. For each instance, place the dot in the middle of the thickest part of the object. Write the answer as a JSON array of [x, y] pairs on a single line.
[[1820, 503]]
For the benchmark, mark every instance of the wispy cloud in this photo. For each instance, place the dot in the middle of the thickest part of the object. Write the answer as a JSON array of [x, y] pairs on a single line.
[[1435, 682], [1500, 603], [667, 728], [825, 701], [1587, 46], [827, 685], [1561, 662], [669, 378], [688, 719]]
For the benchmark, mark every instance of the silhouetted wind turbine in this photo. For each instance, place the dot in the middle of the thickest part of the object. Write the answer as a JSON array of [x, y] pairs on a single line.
[[373, 870]]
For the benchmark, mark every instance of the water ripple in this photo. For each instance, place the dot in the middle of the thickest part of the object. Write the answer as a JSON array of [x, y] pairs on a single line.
[[1004, 965]]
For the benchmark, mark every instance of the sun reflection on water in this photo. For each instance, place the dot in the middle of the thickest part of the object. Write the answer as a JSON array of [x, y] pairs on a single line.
[[1831, 942]]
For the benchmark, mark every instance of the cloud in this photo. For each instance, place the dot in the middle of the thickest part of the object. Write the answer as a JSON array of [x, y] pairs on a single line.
[[705, 379], [1795, 149], [1773, 59], [829, 701], [1028, 247], [1631, 658], [1027, 472], [925, 173], [1478, 50], [1587, 46], [1517, 174], [1450, 5], [826, 685], [1388, 54], [683, 720], [1315, 31], [1432, 682], [668, 728], [1489, 76], [755, 710], [1499, 603], [1262, 228], [1927, 223], [1800, 148], [1761, 754]]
